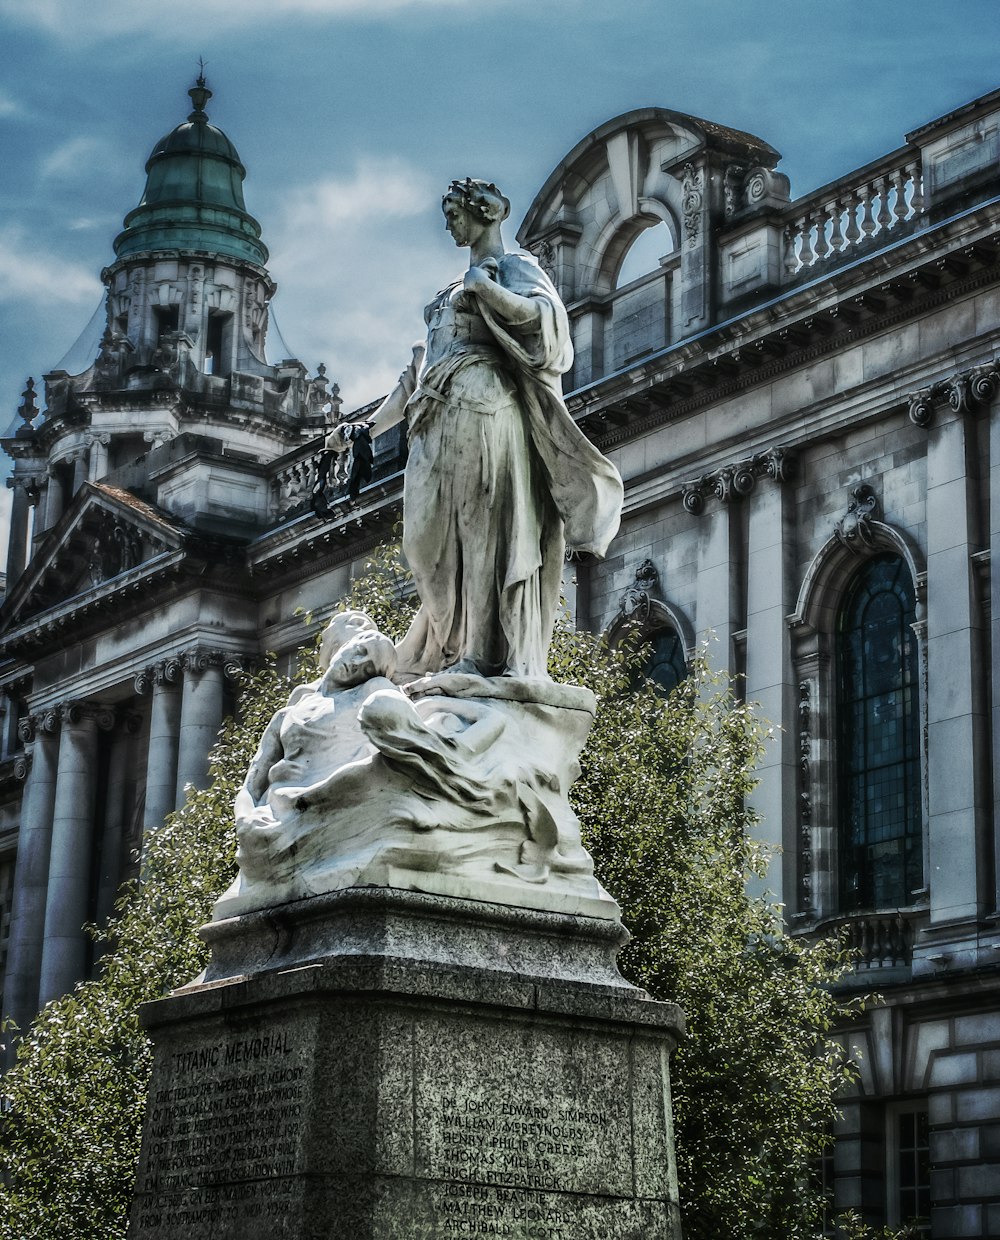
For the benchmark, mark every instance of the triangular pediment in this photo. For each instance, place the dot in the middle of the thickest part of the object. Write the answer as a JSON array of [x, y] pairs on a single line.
[[106, 534]]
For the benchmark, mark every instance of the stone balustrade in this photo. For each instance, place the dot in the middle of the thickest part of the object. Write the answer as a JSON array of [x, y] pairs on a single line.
[[293, 481], [878, 940], [825, 226]]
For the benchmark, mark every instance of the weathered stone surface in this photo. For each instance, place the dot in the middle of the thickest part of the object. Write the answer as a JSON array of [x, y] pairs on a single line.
[[375, 1095]]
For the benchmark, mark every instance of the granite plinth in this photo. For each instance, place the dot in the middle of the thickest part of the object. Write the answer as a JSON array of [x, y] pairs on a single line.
[[367, 1093]]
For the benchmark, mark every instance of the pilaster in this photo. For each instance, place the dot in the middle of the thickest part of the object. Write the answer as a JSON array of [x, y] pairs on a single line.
[[956, 716], [770, 682]]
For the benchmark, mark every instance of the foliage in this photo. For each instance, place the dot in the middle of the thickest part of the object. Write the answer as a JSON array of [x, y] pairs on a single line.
[[663, 804]]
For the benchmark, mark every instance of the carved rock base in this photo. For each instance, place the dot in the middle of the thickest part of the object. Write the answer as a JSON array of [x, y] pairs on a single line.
[[466, 796], [440, 1069]]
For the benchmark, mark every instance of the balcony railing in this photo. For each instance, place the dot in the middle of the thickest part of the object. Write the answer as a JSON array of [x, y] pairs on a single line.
[[880, 201], [878, 940]]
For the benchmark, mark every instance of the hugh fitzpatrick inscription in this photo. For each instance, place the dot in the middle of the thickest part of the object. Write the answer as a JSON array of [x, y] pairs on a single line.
[[223, 1131]]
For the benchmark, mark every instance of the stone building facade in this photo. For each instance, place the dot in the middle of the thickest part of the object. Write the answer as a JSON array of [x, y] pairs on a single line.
[[803, 397]]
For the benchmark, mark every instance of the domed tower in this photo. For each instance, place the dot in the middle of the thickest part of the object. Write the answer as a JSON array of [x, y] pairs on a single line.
[[182, 360], [190, 264]]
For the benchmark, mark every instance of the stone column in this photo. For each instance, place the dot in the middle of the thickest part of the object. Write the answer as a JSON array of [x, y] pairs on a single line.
[[66, 949], [53, 501], [113, 827], [770, 682], [201, 717], [97, 465], [79, 469], [17, 541], [956, 720], [994, 484], [31, 875], [164, 735], [714, 602]]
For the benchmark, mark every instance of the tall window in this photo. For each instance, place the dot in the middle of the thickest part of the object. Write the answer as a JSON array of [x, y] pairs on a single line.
[[881, 858], [665, 663]]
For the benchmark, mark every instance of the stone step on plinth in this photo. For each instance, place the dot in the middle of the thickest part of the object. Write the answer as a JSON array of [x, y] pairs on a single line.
[[363, 1079]]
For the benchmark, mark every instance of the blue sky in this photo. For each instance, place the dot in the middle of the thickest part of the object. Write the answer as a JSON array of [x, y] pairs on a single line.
[[352, 115]]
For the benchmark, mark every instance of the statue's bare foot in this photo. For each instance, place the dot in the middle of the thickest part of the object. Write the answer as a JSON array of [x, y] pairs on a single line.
[[464, 667]]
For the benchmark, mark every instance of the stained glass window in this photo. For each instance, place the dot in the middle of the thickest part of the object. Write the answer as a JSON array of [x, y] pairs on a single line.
[[665, 664], [881, 857]]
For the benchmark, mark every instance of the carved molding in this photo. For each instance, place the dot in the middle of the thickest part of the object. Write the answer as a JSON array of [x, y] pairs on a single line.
[[22, 766], [692, 186], [962, 393], [637, 600], [855, 529], [738, 480]]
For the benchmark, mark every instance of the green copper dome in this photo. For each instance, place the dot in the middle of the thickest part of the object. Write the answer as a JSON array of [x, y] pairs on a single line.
[[194, 195]]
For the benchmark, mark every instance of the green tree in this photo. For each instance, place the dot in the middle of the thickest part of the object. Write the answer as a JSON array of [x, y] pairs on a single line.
[[663, 802]]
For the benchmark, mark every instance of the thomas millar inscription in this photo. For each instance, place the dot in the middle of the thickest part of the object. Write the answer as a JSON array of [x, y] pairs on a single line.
[[223, 1131]]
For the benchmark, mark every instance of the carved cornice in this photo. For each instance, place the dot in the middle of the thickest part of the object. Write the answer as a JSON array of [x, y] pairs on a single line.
[[963, 393], [738, 480]]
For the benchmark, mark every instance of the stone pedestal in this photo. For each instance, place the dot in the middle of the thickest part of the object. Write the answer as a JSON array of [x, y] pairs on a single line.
[[382, 1064]]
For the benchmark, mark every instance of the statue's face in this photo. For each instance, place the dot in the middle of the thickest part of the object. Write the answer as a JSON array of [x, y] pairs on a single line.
[[463, 224], [342, 628], [361, 659]]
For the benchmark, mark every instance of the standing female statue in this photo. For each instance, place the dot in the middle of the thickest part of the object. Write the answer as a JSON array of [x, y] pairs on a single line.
[[499, 478]]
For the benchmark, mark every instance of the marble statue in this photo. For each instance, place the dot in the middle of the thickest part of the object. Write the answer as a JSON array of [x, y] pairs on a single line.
[[444, 764], [499, 478], [457, 780]]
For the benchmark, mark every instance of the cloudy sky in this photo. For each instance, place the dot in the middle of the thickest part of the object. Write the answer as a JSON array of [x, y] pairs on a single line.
[[352, 115]]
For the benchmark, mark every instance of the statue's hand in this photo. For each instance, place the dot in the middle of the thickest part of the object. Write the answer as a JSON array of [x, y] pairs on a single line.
[[477, 277]]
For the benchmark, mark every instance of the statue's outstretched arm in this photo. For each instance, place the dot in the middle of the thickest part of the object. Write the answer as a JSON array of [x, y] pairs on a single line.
[[393, 408]]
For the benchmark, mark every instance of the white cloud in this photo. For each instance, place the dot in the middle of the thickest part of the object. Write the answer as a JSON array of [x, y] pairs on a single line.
[[8, 106], [72, 20], [360, 258], [33, 275]]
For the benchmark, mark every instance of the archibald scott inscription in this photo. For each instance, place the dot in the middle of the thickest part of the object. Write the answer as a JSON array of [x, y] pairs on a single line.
[[223, 1135]]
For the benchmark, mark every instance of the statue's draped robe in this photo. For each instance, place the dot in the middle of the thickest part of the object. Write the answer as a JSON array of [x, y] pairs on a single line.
[[499, 481]]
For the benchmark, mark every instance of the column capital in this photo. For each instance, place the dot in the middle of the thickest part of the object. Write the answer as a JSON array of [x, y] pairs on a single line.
[[963, 393], [168, 671], [77, 712], [200, 658], [737, 480]]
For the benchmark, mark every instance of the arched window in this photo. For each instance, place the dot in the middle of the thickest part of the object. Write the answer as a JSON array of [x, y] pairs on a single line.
[[644, 254], [881, 855], [666, 665]]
